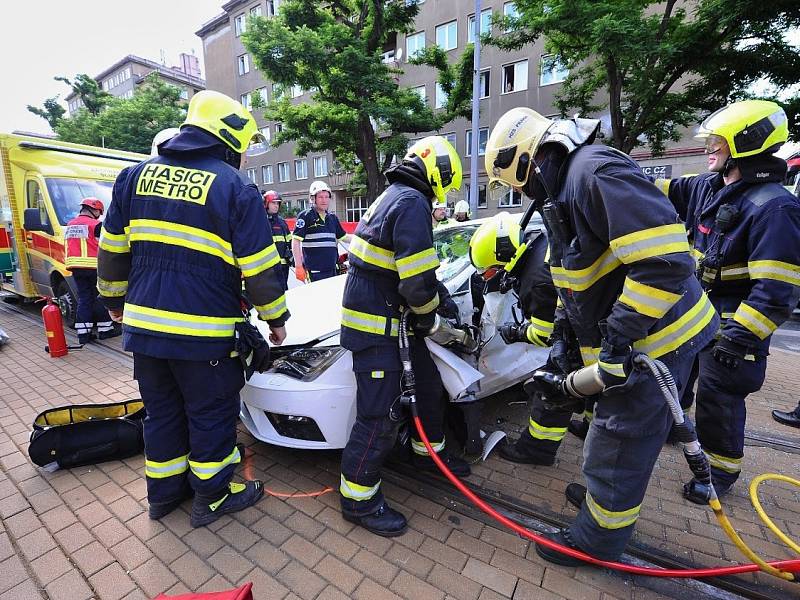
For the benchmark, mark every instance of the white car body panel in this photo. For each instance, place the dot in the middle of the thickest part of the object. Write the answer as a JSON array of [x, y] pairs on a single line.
[[330, 398]]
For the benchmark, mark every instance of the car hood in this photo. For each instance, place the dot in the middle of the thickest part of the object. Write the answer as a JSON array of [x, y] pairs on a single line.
[[316, 310]]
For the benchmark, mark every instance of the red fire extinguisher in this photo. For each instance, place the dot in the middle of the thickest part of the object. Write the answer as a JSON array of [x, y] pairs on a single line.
[[54, 329]]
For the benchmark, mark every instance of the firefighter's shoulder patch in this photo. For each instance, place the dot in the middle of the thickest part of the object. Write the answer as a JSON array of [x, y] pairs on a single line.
[[300, 224]]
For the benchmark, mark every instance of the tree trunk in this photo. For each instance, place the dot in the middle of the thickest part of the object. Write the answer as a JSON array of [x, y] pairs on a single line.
[[368, 155]]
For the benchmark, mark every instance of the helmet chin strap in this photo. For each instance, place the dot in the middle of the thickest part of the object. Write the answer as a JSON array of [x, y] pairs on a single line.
[[729, 165]]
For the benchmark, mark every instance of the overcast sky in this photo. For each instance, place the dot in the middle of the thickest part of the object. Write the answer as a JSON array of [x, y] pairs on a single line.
[[39, 40]]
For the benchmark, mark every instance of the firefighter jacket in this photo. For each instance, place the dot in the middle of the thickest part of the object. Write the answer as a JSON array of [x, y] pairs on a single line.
[[182, 230], [392, 264], [534, 287], [745, 238], [621, 255], [319, 238], [281, 236], [81, 236]]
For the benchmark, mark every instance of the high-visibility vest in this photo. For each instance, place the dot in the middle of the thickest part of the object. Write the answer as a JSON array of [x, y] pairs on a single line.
[[81, 243]]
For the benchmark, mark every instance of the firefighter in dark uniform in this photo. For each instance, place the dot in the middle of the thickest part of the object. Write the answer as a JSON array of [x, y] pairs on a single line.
[[182, 230], [624, 273], [744, 227], [316, 237], [499, 245], [393, 267], [81, 242], [281, 235]]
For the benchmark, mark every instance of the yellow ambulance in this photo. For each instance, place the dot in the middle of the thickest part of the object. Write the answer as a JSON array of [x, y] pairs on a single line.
[[42, 182]]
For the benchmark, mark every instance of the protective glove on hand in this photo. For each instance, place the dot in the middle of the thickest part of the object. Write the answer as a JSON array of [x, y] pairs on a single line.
[[512, 333], [300, 273], [550, 385], [616, 362], [422, 324], [728, 353]]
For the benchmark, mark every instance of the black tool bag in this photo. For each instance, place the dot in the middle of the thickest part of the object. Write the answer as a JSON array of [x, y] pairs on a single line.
[[82, 434]]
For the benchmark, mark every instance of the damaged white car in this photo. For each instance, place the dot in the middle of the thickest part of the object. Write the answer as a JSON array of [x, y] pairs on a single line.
[[308, 398]]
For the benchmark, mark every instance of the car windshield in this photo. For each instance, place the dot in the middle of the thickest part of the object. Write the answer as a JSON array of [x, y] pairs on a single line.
[[66, 195], [452, 246]]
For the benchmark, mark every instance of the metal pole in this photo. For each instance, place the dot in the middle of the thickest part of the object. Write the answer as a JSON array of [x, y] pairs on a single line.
[[476, 105]]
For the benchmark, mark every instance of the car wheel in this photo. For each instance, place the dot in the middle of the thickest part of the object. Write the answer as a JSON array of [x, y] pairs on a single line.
[[67, 303]]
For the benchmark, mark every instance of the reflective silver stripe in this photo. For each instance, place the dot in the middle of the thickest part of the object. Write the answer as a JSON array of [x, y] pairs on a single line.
[[273, 310], [420, 449], [609, 519], [725, 463], [131, 312], [271, 256], [206, 470], [320, 236], [656, 345], [105, 326], [374, 255], [319, 244], [583, 282], [145, 230], [112, 288], [354, 491], [540, 432], [109, 242], [426, 262]]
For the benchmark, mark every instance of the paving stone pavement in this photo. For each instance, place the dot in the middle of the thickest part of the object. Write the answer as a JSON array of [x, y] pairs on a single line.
[[84, 533]]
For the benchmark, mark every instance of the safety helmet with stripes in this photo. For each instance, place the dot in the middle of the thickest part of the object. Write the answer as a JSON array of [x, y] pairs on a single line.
[[439, 163], [749, 127]]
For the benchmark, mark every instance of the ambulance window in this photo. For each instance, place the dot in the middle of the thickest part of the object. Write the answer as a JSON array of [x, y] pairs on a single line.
[[36, 200]]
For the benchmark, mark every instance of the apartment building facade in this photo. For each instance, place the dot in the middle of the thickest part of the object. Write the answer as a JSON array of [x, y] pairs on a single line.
[[121, 78], [526, 77]]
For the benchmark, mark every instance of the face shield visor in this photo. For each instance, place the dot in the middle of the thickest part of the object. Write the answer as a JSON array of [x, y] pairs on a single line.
[[258, 145]]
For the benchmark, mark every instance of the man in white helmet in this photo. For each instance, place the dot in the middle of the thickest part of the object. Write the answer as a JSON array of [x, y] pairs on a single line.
[[316, 237], [439, 213], [624, 274], [461, 211]]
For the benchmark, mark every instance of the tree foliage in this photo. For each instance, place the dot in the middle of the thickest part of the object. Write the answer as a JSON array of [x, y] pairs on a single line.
[[127, 124], [93, 97], [51, 111], [358, 109], [659, 65]]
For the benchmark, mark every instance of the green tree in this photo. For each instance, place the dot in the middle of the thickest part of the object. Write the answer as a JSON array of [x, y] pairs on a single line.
[[127, 124], [358, 109], [93, 97], [51, 111], [658, 65]]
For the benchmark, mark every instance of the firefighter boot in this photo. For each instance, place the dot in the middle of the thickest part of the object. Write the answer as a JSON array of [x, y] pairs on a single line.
[[159, 510], [239, 496], [554, 556], [473, 444], [576, 494], [523, 452], [385, 521], [459, 467]]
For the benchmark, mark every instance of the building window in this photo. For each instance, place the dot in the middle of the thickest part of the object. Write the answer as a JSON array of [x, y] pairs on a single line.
[[296, 91], [486, 25], [441, 97], [278, 92], [283, 171], [510, 199], [243, 62], [450, 137], [278, 127], [301, 168], [484, 85], [184, 94], [267, 133], [355, 207], [239, 24], [483, 137], [387, 57], [447, 35], [261, 93], [552, 70], [266, 173], [255, 11], [420, 91], [245, 100], [251, 175], [320, 166], [414, 43], [515, 77], [481, 195], [272, 7]]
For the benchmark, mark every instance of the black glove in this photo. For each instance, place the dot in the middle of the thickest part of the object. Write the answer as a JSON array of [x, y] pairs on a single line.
[[565, 358], [512, 333], [728, 353], [422, 324], [551, 387], [252, 348]]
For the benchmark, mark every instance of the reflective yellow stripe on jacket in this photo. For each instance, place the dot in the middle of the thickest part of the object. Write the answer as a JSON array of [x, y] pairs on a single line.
[[417, 263], [368, 323], [647, 243], [774, 269], [680, 331], [259, 262], [580, 280], [646, 299], [164, 232], [112, 289], [114, 242], [760, 325], [372, 254], [166, 321]]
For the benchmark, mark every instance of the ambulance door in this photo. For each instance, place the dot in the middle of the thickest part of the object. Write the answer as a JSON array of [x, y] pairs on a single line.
[[38, 241]]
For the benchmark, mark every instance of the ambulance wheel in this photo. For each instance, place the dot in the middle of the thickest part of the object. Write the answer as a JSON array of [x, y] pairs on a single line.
[[67, 303]]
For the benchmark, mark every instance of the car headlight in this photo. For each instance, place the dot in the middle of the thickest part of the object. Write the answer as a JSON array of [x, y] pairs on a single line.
[[306, 364]]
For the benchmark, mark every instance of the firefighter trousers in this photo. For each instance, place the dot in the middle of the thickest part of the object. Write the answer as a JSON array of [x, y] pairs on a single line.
[[625, 438], [721, 412], [374, 432], [89, 310], [190, 430]]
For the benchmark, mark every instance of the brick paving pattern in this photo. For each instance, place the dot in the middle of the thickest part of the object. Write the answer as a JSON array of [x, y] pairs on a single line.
[[84, 533]]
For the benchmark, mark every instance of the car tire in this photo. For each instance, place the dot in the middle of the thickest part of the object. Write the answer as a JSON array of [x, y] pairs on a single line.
[[66, 302]]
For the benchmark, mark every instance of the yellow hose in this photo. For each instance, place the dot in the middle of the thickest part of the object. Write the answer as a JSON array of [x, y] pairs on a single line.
[[763, 515]]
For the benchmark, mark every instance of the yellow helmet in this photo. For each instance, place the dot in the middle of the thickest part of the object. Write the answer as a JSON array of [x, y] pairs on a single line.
[[498, 241], [226, 119], [513, 144], [749, 127], [439, 163]]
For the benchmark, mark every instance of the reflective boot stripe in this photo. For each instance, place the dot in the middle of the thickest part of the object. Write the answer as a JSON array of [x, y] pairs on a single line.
[[611, 519], [540, 432], [357, 492], [420, 449], [160, 470]]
